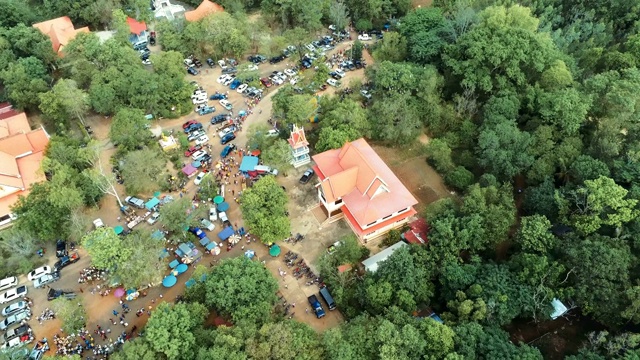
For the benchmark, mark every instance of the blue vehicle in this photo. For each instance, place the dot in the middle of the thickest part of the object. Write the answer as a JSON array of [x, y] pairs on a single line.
[[198, 232], [315, 304], [206, 110], [192, 128], [227, 149], [225, 139], [234, 85], [218, 96], [218, 119]]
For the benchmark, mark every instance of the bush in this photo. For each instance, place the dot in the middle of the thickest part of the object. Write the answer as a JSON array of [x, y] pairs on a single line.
[[459, 179], [364, 25]]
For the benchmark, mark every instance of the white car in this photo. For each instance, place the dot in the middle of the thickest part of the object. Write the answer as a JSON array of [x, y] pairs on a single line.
[[290, 72], [223, 217], [45, 279], [195, 135], [98, 223], [276, 79], [8, 283], [364, 37], [13, 294], [252, 67], [340, 73], [273, 132], [294, 80], [154, 218], [15, 307], [201, 101], [223, 78], [41, 271], [202, 140], [229, 80], [226, 131], [333, 82], [310, 47], [213, 214], [207, 224], [242, 88], [280, 75], [226, 104], [366, 94], [198, 154], [199, 178]]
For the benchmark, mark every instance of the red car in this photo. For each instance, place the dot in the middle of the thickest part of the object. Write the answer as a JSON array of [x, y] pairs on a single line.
[[266, 82], [192, 149], [185, 125]]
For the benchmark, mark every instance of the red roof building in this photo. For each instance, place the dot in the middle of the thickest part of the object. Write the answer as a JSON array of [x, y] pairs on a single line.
[[136, 27], [299, 147], [60, 30], [417, 233], [203, 10], [356, 184], [21, 152]]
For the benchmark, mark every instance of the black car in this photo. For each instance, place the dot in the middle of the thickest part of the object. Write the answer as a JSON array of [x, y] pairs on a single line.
[[257, 59], [229, 70], [61, 248], [66, 260], [54, 294], [211, 63], [307, 176], [276, 59], [218, 119], [227, 138]]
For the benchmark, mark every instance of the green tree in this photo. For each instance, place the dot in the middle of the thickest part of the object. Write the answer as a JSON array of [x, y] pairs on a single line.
[[27, 41], [24, 80], [427, 31], [395, 119], [334, 138], [503, 150], [473, 341], [37, 214], [278, 155], [535, 234], [142, 170], [136, 349], [169, 330], [587, 168], [129, 129], [71, 312], [263, 207], [242, 289], [339, 14], [143, 264], [439, 155], [175, 216], [106, 249], [296, 13], [63, 102], [285, 340], [598, 202], [393, 47]]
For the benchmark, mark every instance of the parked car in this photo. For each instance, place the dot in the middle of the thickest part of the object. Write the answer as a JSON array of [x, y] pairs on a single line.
[[227, 130], [8, 283], [213, 214], [54, 294], [202, 140], [226, 104], [41, 271], [46, 279], [242, 88], [66, 260], [15, 319], [192, 149], [16, 332], [276, 79], [217, 96], [206, 110], [290, 72], [340, 73], [223, 218], [266, 82], [218, 119], [276, 59], [315, 305], [153, 218], [333, 82], [188, 123], [229, 70], [229, 80], [192, 71], [207, 224], [366, 94], [195, 135], [222, 78], [15, 307], [199, 178], [97, 223], [307, 176], [227, 149], [197, 154], [198, 232], [364, 37], [200, 101], [211, 63], [193, 127], [13, 294], [234, 84], [132, 200], [227, 138], [257, 59]]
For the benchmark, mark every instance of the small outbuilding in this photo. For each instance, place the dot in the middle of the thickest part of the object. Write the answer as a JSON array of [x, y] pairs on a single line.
[[371, 264]]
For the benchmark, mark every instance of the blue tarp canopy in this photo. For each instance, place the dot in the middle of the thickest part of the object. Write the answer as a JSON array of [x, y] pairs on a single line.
[[152, 203], [204, 241], [184, 248], [196, 164], [174, 263], [169, 281], [211, 245], [226, 233], [249, 254], [157, 235], [249, 163], [182, 268], [223, 206]]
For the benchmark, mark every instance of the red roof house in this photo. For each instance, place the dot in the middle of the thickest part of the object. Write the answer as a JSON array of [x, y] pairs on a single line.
[[205, 8], [60, 30], [356, 182], [21, 152], [417, 233]]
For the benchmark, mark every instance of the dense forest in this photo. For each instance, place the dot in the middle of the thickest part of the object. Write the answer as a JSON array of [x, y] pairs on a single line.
[[531, 108]]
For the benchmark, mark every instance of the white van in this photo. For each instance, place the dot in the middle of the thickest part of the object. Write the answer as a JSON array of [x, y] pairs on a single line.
[[8, 283]]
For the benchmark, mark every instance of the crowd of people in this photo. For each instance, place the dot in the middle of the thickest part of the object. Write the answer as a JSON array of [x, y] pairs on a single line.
[[47, 314], [90, 274]]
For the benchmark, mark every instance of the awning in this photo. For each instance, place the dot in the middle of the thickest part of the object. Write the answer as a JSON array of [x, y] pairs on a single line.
[[174, 263], [223, 206], [169, 281], [226, 233], [274, 250], [204, 241], [218, 199], [157, 235], [248, 163], [182, 268], [190, 283], [196, 164], [189, 170], [249, 254], [152, 203], [186, 250], [118, 229], [211, 245]]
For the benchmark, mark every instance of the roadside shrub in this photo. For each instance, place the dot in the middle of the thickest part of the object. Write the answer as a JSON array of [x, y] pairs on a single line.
[[439, 156]]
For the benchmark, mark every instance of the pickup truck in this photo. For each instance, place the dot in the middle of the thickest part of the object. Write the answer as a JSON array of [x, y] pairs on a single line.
[[224, 219], [54, 294], [315, 304], [135, 222], [66, 260], [132, 200]]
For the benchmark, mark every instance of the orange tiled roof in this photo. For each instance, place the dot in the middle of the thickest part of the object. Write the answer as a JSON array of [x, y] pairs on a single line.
[[6, 111], [368, 188], [135, 26], [298, 138], [16, 145], [60, 31], [205, 8], [14, 124]]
